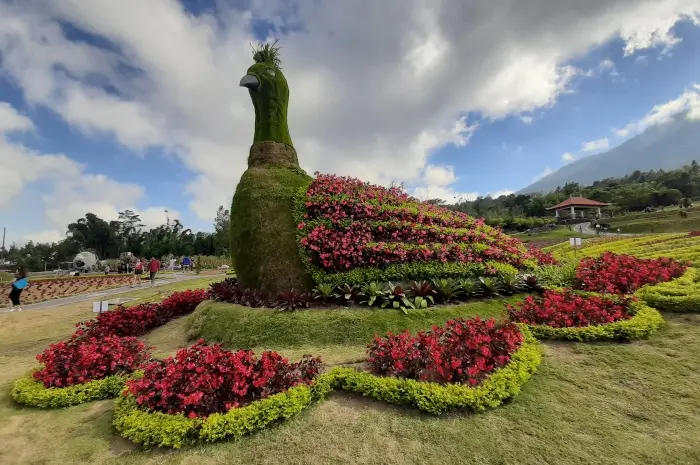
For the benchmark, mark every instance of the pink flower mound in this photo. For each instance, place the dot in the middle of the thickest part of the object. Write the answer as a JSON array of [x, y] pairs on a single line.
[[564, 309], [624, 274], [350, 224]]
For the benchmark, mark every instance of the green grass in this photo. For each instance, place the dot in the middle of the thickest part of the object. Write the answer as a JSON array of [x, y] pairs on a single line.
[[243, 327], [666, 221]]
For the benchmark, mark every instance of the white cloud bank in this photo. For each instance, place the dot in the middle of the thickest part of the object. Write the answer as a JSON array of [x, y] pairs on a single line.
[[376, 87]]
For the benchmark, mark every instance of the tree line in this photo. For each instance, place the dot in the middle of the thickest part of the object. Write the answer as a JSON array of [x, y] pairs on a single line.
[[634, 192], [108, 239]]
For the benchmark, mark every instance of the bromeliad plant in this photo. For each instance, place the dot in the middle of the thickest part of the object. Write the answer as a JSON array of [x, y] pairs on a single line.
[[396, 298], [325, 293], [447, 289], [292, 300]]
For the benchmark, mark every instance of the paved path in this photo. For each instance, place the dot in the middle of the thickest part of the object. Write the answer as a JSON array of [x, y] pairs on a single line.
[[586, 229], [102, 295]]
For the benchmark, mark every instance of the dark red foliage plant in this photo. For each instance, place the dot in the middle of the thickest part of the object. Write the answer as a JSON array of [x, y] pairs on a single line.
[[624, 274], [80, 360], [461, 351], [202, 379], [139, 319], [567, 309]]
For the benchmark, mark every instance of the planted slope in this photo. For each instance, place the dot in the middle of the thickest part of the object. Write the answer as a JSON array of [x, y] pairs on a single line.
[[354, 232]]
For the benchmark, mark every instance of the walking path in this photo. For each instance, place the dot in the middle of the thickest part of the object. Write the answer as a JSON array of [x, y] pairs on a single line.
[[586, 229], [102, 295]]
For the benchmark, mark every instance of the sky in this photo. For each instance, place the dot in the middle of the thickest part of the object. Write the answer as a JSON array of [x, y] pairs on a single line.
[[106, 105]]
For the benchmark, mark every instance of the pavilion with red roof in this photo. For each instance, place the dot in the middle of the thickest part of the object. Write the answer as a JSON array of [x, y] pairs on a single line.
[[582, 203]]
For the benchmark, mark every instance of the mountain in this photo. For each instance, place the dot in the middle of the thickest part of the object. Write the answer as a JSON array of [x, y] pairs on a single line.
[[665, 146]]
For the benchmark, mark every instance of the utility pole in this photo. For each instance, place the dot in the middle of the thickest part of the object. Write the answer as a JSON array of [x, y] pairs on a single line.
[[167, 219]]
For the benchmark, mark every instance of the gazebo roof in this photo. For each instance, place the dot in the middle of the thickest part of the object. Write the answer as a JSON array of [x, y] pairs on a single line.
[[578, 202]]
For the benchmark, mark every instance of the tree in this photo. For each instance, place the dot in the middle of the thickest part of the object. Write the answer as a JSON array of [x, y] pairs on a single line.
[[222, 231]]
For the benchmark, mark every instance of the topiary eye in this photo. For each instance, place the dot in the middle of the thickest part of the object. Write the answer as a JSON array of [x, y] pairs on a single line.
[[271, 72]]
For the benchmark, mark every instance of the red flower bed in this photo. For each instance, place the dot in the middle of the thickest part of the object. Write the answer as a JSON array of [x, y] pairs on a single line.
[[80, 360], [542, 257], [139, 319], [461, 351], [624, 274], [694, 233], [349, 224], [201, 380], [564, 309]]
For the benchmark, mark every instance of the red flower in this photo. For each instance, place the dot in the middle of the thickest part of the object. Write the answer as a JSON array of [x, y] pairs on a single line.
[[201, 380], [565, 309], [460, 351]]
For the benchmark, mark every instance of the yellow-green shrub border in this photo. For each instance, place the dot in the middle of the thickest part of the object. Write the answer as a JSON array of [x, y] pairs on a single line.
[[680, 295], [157, 429], [644, 322], [30, 392], [435, 398]]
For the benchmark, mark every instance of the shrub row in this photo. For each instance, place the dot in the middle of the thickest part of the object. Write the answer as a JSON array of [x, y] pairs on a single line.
[[400, 296], [679, 295], [28, 391], [155, 427]]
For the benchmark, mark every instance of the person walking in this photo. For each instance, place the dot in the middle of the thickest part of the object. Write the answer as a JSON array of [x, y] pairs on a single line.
[[153, 268], [138, 271], [21, 282], [186, 263]]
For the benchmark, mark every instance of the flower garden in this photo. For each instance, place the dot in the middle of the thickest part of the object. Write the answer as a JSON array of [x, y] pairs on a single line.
[[365, 326], [441, 263]]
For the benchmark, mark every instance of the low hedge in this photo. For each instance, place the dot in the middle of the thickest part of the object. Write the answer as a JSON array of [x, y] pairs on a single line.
[[163, 430], [244, 327], [28, 391], [644, 322], [435, 398], [680, 295]]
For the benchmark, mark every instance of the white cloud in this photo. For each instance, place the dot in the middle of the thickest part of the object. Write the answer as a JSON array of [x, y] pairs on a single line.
[[439, 176], [497, 194], [527, 119], [11, 120], [688, 101], [47, 236], [376, 87], [546, 172], [596, 145], [568, 157]]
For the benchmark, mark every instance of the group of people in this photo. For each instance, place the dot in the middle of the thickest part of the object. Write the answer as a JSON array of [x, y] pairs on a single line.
[[152, 266]]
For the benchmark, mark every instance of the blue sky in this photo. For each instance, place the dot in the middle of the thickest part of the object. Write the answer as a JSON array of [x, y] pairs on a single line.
[[115, 160]]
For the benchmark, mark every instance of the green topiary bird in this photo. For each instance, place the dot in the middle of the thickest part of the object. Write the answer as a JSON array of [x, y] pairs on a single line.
[[263, 239]]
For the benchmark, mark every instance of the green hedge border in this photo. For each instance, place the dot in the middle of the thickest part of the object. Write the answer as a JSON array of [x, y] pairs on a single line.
[[681, 295], [157, 429], [437, 399], [164, 430], [30, 392], [644, 322]]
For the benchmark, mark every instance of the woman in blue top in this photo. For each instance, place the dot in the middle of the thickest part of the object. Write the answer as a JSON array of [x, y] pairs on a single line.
[[20, 283]]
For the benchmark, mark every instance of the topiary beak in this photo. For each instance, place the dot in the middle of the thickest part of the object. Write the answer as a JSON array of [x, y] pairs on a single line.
[[250, 81]]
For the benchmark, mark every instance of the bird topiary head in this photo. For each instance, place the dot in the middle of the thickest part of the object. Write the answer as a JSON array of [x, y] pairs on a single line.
[[269, 91]]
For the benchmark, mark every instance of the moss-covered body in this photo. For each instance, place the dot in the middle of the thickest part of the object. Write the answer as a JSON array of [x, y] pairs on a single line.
[[263, 241]]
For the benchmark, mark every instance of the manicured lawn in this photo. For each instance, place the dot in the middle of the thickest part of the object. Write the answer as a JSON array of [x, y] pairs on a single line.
[[589, 403], [555, 236]]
